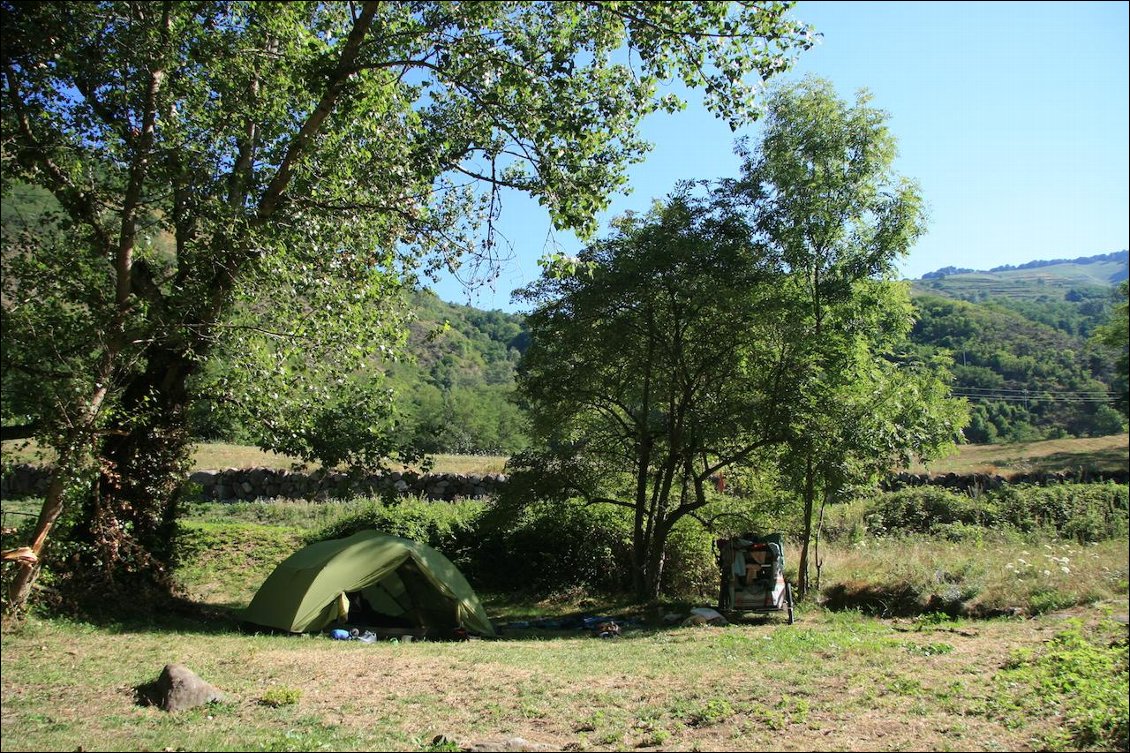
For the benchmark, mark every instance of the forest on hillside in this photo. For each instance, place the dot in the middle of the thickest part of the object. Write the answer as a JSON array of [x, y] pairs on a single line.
[[1025, 360], [1027, 367], [1021, 339], [1024, 378], [1117, 258]]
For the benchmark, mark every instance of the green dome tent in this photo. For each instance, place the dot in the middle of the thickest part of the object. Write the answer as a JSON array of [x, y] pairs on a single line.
[[397, 577]]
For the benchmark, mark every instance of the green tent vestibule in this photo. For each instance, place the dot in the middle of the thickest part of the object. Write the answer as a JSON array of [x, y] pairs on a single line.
[[397, 577]]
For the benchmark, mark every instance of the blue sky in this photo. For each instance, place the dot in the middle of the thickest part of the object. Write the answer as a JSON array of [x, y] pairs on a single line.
[[1011, 116]]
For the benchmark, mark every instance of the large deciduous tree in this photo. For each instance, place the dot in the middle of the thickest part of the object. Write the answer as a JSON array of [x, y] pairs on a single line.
[[268, 174], [760, 324], [669, 357], [824, 197]]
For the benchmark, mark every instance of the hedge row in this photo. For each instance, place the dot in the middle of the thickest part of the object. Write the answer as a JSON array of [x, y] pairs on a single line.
[[1083, 512], [543, 548]]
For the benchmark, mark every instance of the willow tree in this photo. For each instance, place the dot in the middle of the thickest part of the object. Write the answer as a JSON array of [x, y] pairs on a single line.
[[304, 160]]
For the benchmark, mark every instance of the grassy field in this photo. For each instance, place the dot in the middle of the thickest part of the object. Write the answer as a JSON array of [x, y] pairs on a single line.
[[833, 681], [218, 455], [1099, 453], [836, 680], [851, 674], [1052, 455]]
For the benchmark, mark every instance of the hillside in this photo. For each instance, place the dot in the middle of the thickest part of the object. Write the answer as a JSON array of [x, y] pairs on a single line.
[[1020, 339], [1024, 379], [455, 391], [1019, 336], [1037, 280], [452, 384], [1023, 361]]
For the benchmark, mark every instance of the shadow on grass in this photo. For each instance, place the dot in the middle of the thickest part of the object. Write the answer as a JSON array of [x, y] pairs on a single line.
[[900, 600], [632, 625], [525, 621], [1110, 460], [166, 615]]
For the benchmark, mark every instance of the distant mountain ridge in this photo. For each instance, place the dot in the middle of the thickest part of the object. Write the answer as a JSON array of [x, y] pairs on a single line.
[[1115, 257], [1020, 339], [1042, 281]]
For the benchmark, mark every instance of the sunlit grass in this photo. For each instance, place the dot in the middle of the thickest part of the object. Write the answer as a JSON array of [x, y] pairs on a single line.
[[833, 681], [830, 682], [219, 455], [1095, 454], [1000, 574], [1109, 453]]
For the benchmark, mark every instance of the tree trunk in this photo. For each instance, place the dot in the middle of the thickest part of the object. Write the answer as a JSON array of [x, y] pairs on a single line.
[[129, 514], [809, 494], [639, 534], [28, 567], [816, 539], [69, 466], [129, 519], [653, 575]]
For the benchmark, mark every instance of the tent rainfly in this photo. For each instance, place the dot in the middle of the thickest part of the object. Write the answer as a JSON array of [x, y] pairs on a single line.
[[397, 577]]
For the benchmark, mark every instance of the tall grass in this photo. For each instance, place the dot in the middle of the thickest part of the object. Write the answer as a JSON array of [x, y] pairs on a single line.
[[909, 575]]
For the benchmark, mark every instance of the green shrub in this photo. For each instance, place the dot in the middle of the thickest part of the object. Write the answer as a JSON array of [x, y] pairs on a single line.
[[548, 547], [922, 510], [847, 522], [1079, 678], [691, 562], [557, 547], [1084, 512], [448, 527]]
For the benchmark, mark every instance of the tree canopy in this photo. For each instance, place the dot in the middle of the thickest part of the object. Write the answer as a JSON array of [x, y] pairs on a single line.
[[263, 177], [825, 199], [758, 324], [670, 359]]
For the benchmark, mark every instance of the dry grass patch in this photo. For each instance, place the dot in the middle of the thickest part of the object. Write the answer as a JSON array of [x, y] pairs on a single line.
[[219, 455], [831, 682], [1097, 453], [1109, 453]]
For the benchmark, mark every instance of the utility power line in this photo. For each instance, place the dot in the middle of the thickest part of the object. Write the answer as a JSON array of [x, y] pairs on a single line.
[[1062, 397]]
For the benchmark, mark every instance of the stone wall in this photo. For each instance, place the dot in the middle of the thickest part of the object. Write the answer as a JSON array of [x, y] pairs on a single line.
[[271, 483], [974, 483]]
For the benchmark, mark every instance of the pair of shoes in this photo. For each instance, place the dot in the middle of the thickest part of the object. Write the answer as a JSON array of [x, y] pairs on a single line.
[[367, 637]]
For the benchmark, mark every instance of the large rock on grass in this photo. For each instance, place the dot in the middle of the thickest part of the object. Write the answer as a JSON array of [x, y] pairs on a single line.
[[180, 688]]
